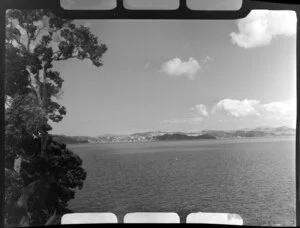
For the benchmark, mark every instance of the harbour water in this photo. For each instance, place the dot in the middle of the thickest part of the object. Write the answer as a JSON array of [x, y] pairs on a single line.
[[253, 177]]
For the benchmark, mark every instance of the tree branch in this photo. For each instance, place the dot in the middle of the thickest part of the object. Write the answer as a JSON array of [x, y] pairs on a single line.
[[39, 30], [28, 41], [21, 44], [31, 85]]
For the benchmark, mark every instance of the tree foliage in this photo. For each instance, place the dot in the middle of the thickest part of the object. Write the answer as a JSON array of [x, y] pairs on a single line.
[[35, 39], [48, 173], [44, 185]]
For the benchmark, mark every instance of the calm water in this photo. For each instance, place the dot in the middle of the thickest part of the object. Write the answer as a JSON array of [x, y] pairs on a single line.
[[254, 178]]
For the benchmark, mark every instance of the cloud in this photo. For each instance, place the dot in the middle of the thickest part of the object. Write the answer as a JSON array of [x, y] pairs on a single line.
[[276, 107], [261, 26], [207, 59], [176, 67], [278, 110], [201, 110], [237, 108]]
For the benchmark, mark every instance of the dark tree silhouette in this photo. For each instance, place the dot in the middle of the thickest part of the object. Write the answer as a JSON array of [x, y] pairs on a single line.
[[41, 174]]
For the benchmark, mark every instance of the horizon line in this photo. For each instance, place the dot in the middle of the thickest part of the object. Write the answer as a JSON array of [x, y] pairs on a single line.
[[185, 132]]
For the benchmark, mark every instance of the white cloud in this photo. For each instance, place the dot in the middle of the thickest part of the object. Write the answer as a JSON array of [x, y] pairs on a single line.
[[237, 108], [261, 26], [176, 67], [276, 107], [278, 110], [240, 109], [207, 59], [200, 109]]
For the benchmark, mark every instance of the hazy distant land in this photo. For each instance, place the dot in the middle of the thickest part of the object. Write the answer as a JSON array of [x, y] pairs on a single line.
[[168, 136]]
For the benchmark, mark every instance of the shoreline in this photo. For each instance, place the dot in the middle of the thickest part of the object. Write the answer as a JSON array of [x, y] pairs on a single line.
[[290, 137]]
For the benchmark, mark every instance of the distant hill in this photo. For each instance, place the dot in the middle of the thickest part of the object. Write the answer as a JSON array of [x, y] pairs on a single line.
[[163, 136], [256, 132], [181, 136]]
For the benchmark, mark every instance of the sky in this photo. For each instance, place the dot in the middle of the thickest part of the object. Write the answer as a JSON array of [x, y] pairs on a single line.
[[177, 75]]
